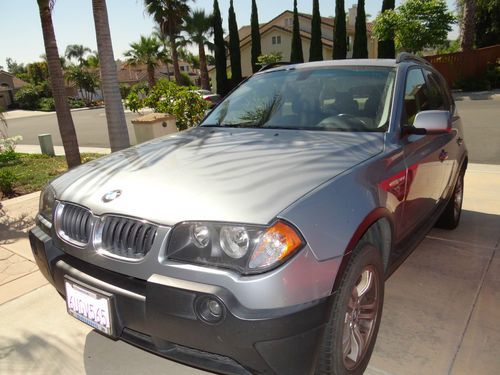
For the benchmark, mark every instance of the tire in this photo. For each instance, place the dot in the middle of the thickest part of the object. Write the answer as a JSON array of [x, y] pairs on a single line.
[[450, 218], [338, 349]]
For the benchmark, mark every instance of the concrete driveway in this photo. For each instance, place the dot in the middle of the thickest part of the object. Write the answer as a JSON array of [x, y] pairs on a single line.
[[441, 312]]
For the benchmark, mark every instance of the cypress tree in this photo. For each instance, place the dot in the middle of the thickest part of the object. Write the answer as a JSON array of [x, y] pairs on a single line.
[[256, 48], [220, 52], [339, 32], [296, 56], [386, 48], [234, 47], [316, 49], [360, 48]]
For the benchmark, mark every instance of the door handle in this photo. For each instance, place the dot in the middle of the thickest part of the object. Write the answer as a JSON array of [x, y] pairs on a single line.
[[460, 140], [443, 155]]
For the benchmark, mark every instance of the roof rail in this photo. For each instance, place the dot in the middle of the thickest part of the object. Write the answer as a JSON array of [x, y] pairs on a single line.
[[406, 56], [274, 65]]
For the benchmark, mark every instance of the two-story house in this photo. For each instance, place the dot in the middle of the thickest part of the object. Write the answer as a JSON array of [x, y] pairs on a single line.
[[276, 37]]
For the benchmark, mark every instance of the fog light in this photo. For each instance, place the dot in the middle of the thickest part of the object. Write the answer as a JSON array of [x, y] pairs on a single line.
[[210, 309]]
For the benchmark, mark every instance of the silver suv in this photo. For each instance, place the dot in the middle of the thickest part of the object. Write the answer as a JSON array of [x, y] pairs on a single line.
[[259, 241]]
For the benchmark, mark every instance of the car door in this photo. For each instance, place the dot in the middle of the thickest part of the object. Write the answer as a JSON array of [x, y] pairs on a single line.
[[441, 100], [423, 156]]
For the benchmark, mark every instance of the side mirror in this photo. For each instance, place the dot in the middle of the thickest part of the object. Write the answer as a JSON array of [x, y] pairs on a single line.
[[433, 122]]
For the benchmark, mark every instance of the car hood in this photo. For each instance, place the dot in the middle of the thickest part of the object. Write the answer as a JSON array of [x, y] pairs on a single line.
[[231, 175]]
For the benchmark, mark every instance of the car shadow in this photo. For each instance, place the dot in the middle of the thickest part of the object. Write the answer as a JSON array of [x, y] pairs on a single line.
[[106, 356]]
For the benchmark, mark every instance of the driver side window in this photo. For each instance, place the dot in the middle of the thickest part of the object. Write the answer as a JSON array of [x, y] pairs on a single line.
[[416, 97]]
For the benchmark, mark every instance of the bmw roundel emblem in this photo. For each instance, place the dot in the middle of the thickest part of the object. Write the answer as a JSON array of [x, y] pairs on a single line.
[[111, 195]]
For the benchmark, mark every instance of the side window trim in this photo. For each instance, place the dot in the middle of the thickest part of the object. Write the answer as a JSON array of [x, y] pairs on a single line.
[[439, 81], [404, 115]]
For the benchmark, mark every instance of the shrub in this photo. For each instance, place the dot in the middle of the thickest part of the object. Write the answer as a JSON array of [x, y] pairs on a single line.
[[124, 90], [7, 181], [76, 102], [187, 106], [186, 80], [28, 96], [46, 104], [7, 149]]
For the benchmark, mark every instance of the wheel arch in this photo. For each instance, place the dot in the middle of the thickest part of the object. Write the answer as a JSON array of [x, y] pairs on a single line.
[[378, 227]]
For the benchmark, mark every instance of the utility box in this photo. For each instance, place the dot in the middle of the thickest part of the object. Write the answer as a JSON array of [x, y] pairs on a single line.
[[153, 125]]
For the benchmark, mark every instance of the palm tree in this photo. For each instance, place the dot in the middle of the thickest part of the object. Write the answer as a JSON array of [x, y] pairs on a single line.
[[64, 119], [163, 39], [467, 10], [92, 61], [148, 52], [78, 52], [3, 124], [115, 115], [170, 16], [199, 28]]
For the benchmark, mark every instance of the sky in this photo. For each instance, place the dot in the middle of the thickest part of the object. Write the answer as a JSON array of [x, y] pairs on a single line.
[[21, 33]]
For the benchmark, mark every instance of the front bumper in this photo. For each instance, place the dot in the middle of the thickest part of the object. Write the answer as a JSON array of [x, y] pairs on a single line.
[[161, 318]]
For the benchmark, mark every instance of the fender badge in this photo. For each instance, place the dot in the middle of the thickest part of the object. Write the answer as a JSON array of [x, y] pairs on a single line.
[[111, 195]]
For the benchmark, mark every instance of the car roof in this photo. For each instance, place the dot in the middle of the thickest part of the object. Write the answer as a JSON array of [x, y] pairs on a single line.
[[343, 62]]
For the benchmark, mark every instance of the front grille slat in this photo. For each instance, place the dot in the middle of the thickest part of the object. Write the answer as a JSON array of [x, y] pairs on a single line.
[[128, 238], [76, 224], [119, 236]]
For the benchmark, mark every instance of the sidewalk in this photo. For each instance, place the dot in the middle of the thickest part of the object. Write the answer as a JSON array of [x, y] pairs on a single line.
[[59, 150], [440, 316]]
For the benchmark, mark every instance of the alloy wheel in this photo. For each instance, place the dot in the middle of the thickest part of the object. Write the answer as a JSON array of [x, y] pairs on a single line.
[[458, 198], [360, 317]]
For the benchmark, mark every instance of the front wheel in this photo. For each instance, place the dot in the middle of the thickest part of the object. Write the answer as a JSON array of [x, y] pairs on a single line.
[[355, 318], [450, 218]]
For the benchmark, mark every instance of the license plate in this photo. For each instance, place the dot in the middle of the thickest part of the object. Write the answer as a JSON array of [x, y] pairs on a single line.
[[88, 306]]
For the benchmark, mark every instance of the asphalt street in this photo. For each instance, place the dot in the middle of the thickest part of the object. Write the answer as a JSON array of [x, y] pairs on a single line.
[[481, 117]]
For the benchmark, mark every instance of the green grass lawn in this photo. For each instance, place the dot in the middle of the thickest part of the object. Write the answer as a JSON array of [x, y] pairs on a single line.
[[30, 172]]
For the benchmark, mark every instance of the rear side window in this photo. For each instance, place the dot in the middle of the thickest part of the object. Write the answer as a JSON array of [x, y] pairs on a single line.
[[438, 97], [417, 97]]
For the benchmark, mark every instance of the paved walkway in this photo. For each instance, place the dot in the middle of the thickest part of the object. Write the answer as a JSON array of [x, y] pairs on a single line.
[[59, 150], [441, 311]]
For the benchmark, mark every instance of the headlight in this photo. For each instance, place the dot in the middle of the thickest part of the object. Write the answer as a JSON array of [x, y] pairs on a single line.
[[47, 202], [245, 248]]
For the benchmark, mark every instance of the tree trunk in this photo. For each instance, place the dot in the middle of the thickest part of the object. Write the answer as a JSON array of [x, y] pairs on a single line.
[[64, 119], [115, 115], [468, 25], [205, 81], [151, 76], [175, 56]]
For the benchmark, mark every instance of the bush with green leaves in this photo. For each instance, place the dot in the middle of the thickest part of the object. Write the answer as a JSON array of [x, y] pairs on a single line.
[[46, 104], [7, 181], [183, 102], [76, 103], [27, 96], [185, 79]]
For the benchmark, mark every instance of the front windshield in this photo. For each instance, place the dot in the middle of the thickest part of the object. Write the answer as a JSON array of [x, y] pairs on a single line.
[[346, 98]]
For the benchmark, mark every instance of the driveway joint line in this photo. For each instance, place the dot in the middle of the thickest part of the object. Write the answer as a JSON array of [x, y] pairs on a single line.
[[20, 277], [471, 312], [26, 293], [461, 242], [15, 253]]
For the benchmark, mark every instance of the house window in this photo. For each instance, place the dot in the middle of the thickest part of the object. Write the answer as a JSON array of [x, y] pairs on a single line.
[[276, 39]]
